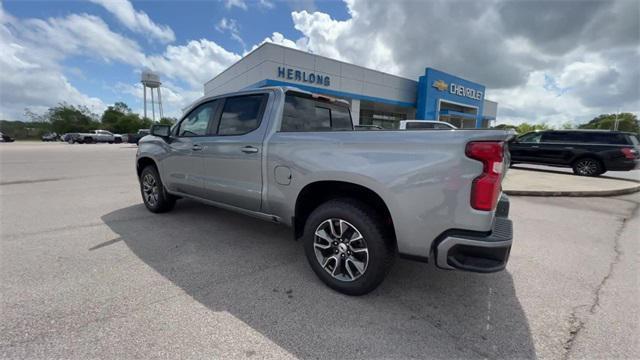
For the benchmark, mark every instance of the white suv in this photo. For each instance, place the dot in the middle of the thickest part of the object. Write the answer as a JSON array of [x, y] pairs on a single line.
[[425, 125]]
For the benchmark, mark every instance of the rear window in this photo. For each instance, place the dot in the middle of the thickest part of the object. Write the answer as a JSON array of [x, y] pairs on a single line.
[[606, 138], [303, 114], [634, 140]]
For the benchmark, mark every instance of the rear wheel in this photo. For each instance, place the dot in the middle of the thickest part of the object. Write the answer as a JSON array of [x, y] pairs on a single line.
[[348, 247], [588, 167], [154, 195]]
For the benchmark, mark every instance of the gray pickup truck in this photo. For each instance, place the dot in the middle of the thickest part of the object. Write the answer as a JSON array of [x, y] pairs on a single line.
[[355, 198]]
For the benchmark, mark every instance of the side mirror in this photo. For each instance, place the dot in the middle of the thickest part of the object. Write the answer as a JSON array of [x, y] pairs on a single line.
[[161, 130]]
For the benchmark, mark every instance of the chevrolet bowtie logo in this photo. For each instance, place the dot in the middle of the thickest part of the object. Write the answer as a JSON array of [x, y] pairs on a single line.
[[440, 85]]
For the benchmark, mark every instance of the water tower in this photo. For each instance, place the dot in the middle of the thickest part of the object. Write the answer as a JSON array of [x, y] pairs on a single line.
[[151, 80]]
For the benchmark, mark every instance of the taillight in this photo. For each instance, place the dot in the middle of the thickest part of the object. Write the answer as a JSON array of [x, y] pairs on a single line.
[[486, 187], [629, 153]]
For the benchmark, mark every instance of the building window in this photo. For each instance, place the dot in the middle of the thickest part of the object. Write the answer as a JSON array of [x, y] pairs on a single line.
[[386, 120]]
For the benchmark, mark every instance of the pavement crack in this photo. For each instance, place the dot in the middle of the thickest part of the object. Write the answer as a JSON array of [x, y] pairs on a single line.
[[576, 325]]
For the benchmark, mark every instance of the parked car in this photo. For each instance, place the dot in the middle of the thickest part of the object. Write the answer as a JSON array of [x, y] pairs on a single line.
[[50, 137], [97, 136], [6, 138], [355, 198], [135, 138], [367, 127], [587, 152], [70, 137], [425, 125]]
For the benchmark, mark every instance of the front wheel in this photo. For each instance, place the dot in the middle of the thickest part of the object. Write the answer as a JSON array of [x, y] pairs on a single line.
[[348, 247], [588, 167], [154, 195]]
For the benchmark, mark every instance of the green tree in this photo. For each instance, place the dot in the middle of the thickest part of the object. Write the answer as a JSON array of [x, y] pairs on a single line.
[[113, 116], [68, 118], [626, 122], [167, 121], [526, 127]]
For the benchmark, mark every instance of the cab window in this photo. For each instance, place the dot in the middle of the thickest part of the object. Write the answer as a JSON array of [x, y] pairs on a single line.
[[197, 122], [241, 114]]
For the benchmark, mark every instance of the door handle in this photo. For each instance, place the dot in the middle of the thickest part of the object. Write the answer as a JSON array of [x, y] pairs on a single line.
[[249, 150], [568, 147], [535, 147], [197, 147]]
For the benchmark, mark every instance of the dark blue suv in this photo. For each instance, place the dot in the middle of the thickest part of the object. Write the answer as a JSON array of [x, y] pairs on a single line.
[[588, 152]]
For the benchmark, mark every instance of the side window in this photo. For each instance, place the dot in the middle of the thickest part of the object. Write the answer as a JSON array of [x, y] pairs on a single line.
[[530, 138], [304, 114], [197, 122], [241, 114], [574, 137], [606, 138], [553, 137]]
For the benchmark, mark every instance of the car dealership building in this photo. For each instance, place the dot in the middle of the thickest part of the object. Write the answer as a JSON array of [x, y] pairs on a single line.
[[376, 98]]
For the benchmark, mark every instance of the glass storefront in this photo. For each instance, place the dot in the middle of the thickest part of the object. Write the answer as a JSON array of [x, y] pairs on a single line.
[[386, 120]]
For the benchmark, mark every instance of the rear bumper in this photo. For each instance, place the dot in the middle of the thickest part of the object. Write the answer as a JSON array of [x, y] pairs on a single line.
[[623, 165], [485, 253]]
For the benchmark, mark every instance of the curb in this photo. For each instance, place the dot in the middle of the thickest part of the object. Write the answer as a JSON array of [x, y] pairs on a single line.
[[590, 193]]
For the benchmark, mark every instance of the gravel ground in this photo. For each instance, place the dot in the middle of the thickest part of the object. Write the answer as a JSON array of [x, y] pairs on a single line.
[[87, 272]]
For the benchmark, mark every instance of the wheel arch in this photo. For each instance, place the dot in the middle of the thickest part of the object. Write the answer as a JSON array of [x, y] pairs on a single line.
[[589, 156], [143, 162], [316, 193]]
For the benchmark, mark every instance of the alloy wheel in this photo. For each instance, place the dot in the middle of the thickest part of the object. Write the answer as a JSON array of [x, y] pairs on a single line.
[[150, 189], [341, 249], [587, 167]]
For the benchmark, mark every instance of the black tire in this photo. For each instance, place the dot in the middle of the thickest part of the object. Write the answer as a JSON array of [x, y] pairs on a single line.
[[88, 140], [164, 201], [588, 166], [378, 241]]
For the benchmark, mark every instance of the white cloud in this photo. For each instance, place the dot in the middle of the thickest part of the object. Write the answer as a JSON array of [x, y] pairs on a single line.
[[32, 75], [194, 63], [33, 51], [539, 68], [137, 21], [232, 27], [500, 44], [235, 3], [266, 4]]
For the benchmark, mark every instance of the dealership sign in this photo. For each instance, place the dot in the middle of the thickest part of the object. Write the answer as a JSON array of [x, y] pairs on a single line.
[[457, 89], [307, 77]]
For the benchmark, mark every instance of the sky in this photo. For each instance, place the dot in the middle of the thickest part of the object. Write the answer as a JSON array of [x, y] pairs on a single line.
[[543, 61]]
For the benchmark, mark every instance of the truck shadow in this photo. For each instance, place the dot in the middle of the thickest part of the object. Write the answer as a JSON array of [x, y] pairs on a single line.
[[254, 271]]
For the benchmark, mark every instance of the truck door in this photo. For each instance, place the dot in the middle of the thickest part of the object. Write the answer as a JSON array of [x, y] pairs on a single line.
[[232, 154], [183, 168]]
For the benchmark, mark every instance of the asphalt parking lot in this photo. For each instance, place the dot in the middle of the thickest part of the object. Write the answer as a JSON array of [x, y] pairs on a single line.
[[87, 272]]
